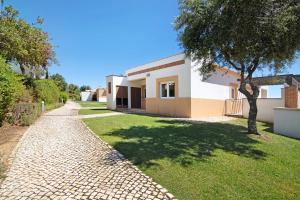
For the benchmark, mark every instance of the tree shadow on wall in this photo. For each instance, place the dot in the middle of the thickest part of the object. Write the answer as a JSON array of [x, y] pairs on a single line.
[[184, 142]]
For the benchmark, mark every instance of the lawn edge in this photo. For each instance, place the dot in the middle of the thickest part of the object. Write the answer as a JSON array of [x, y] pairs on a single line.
[[121, 156]]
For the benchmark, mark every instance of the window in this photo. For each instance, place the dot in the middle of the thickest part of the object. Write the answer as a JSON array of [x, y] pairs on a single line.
[[167, 90], [109, 87]]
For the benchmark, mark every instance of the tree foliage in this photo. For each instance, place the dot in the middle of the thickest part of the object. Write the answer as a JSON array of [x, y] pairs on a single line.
[[74, 92], [241, 34], [11, 89], [46, 90], [59, 81], [85, 87], [24, 44]]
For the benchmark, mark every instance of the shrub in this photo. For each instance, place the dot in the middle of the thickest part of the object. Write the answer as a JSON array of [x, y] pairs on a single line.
[[63, 96], [46, 90], [24, 114], [11, 89]]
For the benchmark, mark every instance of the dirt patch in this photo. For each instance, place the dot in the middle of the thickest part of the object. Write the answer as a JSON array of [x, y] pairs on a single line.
[[9, 138]]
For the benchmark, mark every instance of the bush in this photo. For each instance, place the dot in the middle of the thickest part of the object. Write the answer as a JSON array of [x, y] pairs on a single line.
[[63, 96], [46, 90], [11, 89], [24, 114]]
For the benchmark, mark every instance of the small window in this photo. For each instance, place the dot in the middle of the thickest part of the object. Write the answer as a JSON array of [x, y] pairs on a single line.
[[109, 87], [171, 89], [167, 90], [164, 90]]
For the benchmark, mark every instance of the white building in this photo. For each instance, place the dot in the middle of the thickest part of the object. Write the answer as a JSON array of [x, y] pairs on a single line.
[[173, 86]]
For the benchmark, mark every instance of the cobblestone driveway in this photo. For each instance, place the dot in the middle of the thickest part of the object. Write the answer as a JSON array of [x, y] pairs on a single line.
[[60, 159]]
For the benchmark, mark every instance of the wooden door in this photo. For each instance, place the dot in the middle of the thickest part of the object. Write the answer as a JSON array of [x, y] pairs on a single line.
[[136, 96]]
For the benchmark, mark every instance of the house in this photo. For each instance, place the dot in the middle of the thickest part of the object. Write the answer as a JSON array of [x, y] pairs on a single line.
[[173, 86], [101, 94], [94, 95], [87, 95]]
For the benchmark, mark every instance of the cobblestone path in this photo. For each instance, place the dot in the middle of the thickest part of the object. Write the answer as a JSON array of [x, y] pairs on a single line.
[[59, 158]]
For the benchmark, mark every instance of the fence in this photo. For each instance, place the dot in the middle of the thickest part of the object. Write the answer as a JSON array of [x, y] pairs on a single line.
[[265, 108]]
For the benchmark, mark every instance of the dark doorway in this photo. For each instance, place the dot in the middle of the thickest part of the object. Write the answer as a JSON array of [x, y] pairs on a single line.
[[122, 96], [136, 96]]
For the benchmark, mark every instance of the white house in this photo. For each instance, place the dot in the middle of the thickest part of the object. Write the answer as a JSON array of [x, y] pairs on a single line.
[[173, 86], [94, 95]]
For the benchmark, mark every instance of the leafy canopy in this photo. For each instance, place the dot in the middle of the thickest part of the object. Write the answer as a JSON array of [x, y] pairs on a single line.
[[246, 35], [24, 44], [11, 88], [59, 81], [85, 87]]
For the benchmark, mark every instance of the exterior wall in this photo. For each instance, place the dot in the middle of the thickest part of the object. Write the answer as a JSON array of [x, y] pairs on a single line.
[[120, 81], [298, 99], [152, 65], [286, 122], [265, 108], [111, 97], [195, 97], [101, 95], [208, 95], [86, 96], [291, 96]]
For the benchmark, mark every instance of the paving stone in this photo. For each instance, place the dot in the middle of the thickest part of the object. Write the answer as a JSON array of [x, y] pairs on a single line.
[[59, 158]]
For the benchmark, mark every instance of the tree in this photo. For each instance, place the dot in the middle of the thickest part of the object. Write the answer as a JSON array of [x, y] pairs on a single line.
[[11, 89], [24, 44], [74, 92], [245, 35], [59, 81], [85, 87]]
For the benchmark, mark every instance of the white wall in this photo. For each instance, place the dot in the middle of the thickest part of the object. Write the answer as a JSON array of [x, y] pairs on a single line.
[[86, 96], [102, 99], [182, 71], [119, 81], [286, 122], [156, 63], [209, 90], [265, 108]]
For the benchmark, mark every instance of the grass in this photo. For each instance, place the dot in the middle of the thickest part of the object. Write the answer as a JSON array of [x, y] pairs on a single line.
[[209, 160], [49, 107], [92, 104], [94, 111], [2, 170]]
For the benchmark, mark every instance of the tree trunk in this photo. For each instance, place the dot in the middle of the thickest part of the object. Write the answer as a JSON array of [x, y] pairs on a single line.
[[252, 129]]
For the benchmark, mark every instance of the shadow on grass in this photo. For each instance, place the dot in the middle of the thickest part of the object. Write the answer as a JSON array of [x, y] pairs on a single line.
[[184, 142]]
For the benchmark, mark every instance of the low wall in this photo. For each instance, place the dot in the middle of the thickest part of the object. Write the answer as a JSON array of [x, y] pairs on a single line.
[[265, 108], [286, 122]]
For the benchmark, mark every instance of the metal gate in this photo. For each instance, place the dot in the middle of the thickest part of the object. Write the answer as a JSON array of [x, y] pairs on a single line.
[[234, 107]]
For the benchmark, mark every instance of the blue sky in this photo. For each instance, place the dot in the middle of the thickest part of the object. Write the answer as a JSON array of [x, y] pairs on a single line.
[[96, 38]]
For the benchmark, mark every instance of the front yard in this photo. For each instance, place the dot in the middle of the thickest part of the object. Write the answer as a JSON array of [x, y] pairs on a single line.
[[92, 111], [208, 160], [91, 104]]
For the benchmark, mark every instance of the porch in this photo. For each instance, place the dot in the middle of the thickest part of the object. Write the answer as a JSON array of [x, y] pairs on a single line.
[[131, 96]]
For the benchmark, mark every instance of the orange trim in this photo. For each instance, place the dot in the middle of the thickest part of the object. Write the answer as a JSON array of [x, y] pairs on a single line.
[[172, 64]]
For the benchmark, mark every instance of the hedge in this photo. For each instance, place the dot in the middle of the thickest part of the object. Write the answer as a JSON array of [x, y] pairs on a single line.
[[11, 89], [46, 90]]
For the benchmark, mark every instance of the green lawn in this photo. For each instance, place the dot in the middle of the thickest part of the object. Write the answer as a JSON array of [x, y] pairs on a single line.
[[209, 160], [94, 111], [2, 170], [92, 104]]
